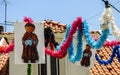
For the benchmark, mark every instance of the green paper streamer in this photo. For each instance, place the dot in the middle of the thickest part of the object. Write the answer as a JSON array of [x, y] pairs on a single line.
[[29, 69]]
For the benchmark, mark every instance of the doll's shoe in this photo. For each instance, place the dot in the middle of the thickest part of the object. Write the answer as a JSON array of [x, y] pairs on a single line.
[[25, 61]]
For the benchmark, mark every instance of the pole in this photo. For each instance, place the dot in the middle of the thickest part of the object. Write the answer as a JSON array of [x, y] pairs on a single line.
[[5, 14]]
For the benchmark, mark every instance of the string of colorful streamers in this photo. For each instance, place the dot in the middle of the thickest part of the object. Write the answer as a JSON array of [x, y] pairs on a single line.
[[115, 30], [65, 36], [94, 44], [105, 31], [73, 57], [109, 43], [76, 56], [63, 48], [29, 69], [7, 49], [115, 52]]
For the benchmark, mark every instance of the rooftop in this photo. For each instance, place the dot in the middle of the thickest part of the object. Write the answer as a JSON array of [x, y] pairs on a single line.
[[110, 69]]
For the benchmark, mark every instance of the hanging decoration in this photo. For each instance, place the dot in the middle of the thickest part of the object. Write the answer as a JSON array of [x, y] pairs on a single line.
[[116, 49], [111, 43], [6, 48], [3, 55], [115, 29], [115, 52], [106, 17], [3, 59], [63, 48], [73, 57], [76, 56]]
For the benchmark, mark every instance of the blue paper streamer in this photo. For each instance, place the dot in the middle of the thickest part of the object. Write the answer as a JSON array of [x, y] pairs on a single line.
[[65, 36], [78, 55], [115, 52], [94, 44], [73, 57]]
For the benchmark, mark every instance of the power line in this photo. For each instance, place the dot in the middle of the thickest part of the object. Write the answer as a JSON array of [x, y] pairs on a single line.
[[7, 24], [117, 3], [94, 16], [101, 11], [115, 8], [107, 4]]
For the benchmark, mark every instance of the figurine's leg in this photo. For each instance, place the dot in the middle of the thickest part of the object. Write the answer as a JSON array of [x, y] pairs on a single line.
[[82, 63], [25, 61], [87, 63], [32, 61]]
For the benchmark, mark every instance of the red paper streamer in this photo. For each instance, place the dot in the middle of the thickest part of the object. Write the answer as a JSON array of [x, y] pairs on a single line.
[[63, 48], [7, 49], [112, 43], [109, 43]]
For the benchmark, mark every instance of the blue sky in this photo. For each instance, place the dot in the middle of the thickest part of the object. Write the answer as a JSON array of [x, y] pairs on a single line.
[[64, 11]]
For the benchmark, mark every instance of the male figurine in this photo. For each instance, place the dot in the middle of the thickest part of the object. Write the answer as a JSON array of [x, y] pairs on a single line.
[[86, 56]]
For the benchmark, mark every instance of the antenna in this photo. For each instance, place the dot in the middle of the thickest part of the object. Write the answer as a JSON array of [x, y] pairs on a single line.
[[5, 14]]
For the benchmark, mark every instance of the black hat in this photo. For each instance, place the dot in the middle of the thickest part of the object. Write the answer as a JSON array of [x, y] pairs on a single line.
[[29, 22], [32, 25]]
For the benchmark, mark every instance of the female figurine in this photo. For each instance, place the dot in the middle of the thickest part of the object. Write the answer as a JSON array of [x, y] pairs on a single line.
[[29, 41]]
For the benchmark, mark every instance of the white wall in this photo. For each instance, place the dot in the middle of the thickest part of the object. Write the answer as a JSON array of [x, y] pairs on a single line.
[[20, 69], [68, 68]]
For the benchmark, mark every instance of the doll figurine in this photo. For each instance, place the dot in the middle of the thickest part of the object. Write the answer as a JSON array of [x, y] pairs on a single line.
[[30, 41], [86, 56]]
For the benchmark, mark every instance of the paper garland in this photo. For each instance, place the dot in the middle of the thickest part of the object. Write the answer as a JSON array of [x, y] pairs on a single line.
[[115, 52], [106, 17], [7, 48], [94, 44], [115, 30], [111, 43], [78, 55], [73, 57], [116, 49], [63, 48]]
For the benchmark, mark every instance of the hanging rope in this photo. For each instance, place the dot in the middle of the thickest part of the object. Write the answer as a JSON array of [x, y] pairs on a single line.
[[107, 5]]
